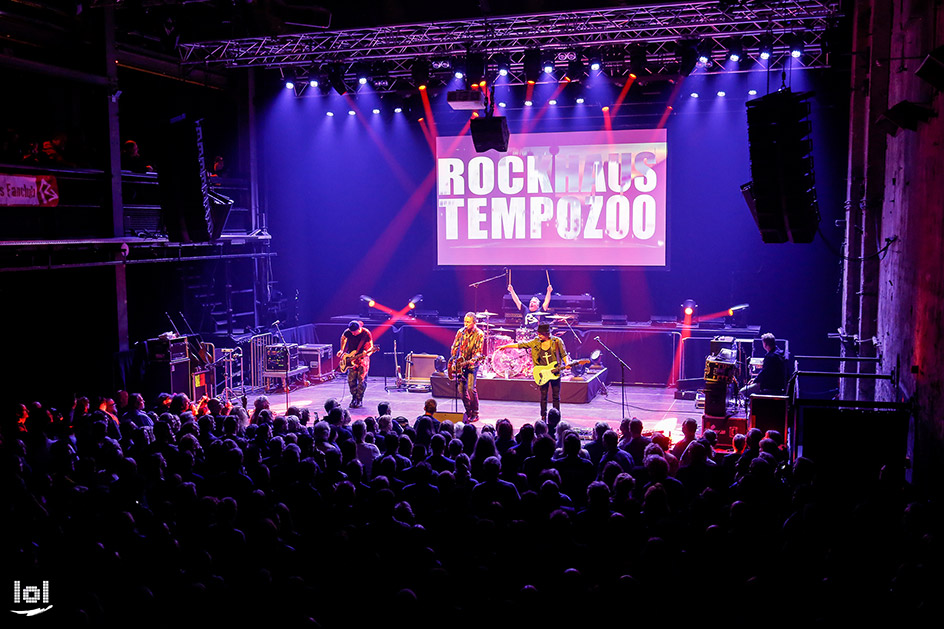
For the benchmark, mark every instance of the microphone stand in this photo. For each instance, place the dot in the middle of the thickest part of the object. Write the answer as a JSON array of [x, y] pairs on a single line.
[[476, 285], [623, 368]]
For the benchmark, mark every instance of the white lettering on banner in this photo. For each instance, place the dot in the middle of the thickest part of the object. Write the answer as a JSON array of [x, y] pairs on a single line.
[[538, 178], [476, 216], [617, 217], [451, 209], [450, 176], [648, 183], [506, 167], [508, 218], [29, 190], [481, 175], [568, 218], [593, 230], [542, 210], [644, 217]]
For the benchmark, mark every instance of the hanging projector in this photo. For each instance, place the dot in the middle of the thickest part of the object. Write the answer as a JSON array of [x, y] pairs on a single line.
[[465, 100]]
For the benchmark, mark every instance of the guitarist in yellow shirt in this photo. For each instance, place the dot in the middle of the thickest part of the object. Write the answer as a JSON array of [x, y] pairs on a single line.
[[549, 357]]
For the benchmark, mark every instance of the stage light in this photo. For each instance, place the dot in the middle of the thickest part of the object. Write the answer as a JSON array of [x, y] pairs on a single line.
[[376, 111], [532, 66], [442, 64], [313, 83], [290, 85], [415, 300], [398, 110], [722, 93], [752, 92], [606, 108], [576, 70], [734, 309], [694, 94], [596, 357], [370, 302], [735, 49], [553, 101], [362, 80], [689, 310], [502, 104], [766, 46], [547, 63], [796, 45], [336, 79], [502, 64], [330, 114], [528, 103], [704, 52], [420, 73], [579, 100], [351, 112], [422, 87], [595, 65], [459, 74]]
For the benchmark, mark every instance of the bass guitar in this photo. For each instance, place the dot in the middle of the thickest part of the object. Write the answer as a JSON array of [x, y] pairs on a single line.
[[545, 373], [348, 360]]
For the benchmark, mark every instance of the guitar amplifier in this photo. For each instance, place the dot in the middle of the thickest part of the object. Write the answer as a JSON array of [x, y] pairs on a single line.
[[168, 350], [281, 357]]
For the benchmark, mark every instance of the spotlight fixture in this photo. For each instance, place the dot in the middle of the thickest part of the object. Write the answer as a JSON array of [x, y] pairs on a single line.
[[579, 100], [553, 101], [330, 114], [502, 103], [704, 52], [475, 67], [595, 59], [765, 46], [689, 311], [532, 66], [290, 85], [734, 309], [796, 45], [415, 300], [735, 49], [367, 300], [528, 103], [376, 110], [694, 94], [502, 65], [752, 92], [336, 79], [442, 64], [420, 73], [547, 63], [722, 93]]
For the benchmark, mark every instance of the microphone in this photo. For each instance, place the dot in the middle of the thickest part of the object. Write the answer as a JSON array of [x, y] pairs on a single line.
[[277, 321], [596, 338]]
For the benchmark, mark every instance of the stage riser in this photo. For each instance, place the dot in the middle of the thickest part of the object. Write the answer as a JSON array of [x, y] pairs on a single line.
[[514, 390]]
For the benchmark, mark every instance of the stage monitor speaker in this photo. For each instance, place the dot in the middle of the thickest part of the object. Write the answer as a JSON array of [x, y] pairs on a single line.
[[168, 377], [190, 212], [781, 195], [769, 412], [446, 416], [490, 132], [932, 69], [716, 403]]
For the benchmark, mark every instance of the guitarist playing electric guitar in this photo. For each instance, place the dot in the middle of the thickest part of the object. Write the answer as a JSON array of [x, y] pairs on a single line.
[[549, 357], [357, 345], [466, 354]]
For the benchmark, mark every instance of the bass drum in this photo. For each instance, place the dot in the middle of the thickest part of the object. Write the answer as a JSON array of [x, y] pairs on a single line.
[[523, 335], [510, 363]]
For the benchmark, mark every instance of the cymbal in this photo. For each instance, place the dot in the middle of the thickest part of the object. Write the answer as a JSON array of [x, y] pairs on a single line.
[[501, 330], [485, 313], [561, 316], [537, 313]]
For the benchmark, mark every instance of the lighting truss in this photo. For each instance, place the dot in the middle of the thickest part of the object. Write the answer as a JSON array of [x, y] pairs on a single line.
[[657, 27]]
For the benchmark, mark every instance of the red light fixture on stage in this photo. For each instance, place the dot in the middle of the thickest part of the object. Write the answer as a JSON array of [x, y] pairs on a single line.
[[689, 311]]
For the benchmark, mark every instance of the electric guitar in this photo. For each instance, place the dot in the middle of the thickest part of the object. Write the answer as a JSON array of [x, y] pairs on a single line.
[[456, 365], [348, 360], [545, 373]]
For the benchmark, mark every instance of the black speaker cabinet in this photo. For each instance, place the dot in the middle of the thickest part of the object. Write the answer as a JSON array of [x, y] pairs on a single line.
[[168, 377], [490, 132]]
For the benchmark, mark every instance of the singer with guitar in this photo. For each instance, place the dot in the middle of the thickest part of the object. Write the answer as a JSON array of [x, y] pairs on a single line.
[[357, 345], [465, 355], [549, 357]]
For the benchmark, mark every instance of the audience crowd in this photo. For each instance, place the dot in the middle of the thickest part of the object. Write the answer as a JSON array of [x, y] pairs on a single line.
[[213, 513]]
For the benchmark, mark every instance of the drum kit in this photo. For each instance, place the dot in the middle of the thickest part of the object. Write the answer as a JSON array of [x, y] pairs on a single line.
[[509, 363]]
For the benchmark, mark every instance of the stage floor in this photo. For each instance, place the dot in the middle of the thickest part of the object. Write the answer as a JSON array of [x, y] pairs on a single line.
[[655, 406]]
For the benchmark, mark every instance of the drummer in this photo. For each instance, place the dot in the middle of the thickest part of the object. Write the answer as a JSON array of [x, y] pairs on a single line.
[[532, 313]]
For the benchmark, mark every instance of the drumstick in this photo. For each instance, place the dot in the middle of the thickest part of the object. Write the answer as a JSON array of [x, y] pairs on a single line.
[[548, 277]]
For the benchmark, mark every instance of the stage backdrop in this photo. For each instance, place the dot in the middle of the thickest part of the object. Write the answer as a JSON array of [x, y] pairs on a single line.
[[554, 199]]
